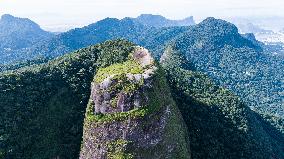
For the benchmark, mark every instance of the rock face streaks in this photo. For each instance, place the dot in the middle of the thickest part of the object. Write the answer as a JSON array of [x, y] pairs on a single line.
[[131, 113]]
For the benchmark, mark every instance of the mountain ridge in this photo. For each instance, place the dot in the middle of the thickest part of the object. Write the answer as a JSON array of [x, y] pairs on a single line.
[[18, 34], [202, 63], [213, 33], [160, 21], [64, 86]]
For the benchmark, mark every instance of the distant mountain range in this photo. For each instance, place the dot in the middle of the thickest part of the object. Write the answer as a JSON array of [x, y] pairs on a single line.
[[211, 37], [251, 28], [160, 21], [274, 23], [273, 35], [26, 40], [18, 33], [266, 36]]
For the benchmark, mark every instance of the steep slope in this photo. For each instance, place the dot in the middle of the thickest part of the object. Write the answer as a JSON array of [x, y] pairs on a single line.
[[18, 33], [220, 125], [42, 110], [131, 113], [159, 21], [240, 63], [235, 62], [42, 107]]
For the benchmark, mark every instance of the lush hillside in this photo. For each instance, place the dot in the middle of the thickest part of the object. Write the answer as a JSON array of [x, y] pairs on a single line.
[[42, 107], [237, 63], [219, 123], [24, 63], [160, 21], [18, 33]]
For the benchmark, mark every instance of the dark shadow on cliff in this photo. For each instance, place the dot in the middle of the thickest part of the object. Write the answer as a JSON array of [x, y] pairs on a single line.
[[214, 136]]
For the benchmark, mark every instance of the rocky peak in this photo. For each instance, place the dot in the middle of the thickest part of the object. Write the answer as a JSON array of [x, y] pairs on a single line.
[[160, 21], [131, 113], [10, 20], [7, 17], [114, 89], [217, 26]]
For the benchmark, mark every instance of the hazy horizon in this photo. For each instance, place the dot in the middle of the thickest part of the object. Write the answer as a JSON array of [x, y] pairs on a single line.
[[52, 15]]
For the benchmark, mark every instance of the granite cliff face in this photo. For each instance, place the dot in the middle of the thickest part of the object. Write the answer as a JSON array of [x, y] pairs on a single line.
[[131, 113]]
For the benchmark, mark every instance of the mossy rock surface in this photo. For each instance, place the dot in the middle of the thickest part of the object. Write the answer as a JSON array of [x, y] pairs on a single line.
[[145, 123]]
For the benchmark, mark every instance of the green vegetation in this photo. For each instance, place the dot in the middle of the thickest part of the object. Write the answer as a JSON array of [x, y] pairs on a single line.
[[207, 107], [245, 67], [159, 106], [42, 107], [130, 66], [118, 73], [116, 150], [214, 46], [113, 102], [111, 117]]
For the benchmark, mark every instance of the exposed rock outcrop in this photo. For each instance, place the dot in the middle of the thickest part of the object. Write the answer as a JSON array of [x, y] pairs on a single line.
[[131, 113]]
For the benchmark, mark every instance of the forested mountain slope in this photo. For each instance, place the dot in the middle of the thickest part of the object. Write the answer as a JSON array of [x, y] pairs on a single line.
[[43, 106], [237, 62], [18, 33], [218, 121], [216, 48]]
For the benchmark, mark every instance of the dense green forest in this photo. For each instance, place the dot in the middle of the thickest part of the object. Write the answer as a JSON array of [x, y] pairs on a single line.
[[237, 62], [207, 107], [216, 76], [43, 106]]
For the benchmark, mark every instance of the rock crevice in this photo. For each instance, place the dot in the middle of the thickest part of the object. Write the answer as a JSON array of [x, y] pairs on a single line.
[[131, 113]]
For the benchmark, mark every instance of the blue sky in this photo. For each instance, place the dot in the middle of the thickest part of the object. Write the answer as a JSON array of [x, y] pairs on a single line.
[[62, 13]]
